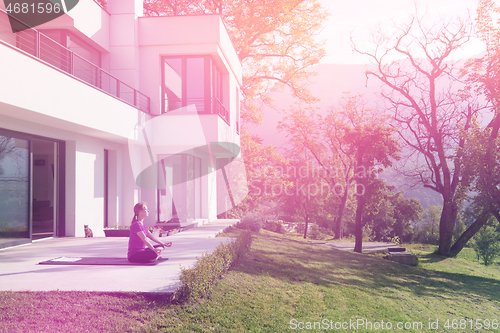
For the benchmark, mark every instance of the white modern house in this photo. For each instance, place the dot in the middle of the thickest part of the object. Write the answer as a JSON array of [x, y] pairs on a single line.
[[104, 108]]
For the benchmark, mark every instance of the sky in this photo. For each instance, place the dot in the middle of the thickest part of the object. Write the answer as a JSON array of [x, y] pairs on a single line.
[[360, 17]]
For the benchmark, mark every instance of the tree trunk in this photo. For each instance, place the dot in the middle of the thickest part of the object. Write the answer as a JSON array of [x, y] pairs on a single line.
[[307, 220], [469, 233], [343, 201], [446, 226], [358, 246]]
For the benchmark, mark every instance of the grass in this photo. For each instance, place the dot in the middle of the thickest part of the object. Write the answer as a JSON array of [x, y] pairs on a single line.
[[283, 281], [60, 311]]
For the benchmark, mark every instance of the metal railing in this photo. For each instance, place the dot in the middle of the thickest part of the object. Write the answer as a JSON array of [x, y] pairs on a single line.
[[42, 47], [221, 110], [217, 106]]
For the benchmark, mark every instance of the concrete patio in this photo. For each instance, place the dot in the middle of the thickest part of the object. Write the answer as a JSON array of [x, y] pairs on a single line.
[[366, 246], [20, 269]]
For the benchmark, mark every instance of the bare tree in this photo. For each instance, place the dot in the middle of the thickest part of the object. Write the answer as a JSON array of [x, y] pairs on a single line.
[[482, 149], [321, 139], [7, 146], [421, 87], [347, 144]]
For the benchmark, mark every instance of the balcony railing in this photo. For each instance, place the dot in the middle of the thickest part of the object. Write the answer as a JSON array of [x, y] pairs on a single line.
[[42, 47], [221, 110], [217, 107]]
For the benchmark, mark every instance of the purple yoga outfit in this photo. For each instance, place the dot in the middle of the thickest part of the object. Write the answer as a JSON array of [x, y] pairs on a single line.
[[137, 250], [135, 244]]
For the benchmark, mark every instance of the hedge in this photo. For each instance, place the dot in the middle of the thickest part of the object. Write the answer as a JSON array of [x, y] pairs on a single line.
[[198, 280]]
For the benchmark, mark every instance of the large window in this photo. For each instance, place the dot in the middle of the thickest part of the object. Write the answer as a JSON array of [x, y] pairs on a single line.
[[237, 111], [31, 188], [179, 193], [193, 80], [75, 44], [14, 191]]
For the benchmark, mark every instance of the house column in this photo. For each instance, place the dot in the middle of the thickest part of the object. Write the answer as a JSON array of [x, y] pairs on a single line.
[[124, 40]]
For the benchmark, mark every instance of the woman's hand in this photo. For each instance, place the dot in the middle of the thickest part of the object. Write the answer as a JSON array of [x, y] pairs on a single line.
[[169, 244]]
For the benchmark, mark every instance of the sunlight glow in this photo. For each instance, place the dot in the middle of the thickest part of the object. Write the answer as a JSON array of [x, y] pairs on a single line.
[[360, 18]]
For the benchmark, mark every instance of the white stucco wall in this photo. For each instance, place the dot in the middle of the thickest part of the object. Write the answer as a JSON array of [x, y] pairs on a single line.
[[43, 101], [84, 178], [184, 35], [57, 99]]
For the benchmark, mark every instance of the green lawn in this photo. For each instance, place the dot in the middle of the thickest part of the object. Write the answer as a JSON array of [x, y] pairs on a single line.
[[464, 263], [285, 283]]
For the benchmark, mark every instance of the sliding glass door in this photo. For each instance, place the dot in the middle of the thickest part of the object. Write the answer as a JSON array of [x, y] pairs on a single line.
[[44, 180], [14, 191], [31, 188]]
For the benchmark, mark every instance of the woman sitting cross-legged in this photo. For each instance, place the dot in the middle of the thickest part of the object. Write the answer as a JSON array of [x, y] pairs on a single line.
[[140, 248]]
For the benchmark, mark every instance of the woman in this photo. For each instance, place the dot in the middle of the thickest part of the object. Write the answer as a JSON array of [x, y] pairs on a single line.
[[140, 248]]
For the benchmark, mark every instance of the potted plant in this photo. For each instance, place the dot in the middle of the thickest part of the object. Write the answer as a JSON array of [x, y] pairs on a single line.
[[156, 231], [117, 231]]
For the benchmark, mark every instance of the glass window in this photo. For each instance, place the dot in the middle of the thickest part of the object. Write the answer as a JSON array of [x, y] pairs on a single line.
[[14, 189], [84, 50], [194, 81], [217, 84], [237, 111], [190, 187], [180, 197], [172, 79], [184, 83], [197, 179]]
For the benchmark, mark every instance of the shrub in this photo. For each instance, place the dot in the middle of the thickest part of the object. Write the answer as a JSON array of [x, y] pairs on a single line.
[[301, 227], [274, 226], [252, 221], [486, 244], [313, 231], [396, 240], [198, 280], [326, 232]]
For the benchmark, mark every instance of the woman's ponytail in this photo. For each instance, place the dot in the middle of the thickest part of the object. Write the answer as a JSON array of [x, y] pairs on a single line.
[[137, 208]]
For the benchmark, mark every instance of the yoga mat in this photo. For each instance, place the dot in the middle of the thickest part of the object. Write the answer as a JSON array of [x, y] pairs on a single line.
[[97, 261]]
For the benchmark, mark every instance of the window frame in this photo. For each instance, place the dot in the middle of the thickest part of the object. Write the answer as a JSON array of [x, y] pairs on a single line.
[[214, 79], [206, 80]]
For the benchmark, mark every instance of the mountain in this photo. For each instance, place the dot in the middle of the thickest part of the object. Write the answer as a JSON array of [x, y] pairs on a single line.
[[328, 85]]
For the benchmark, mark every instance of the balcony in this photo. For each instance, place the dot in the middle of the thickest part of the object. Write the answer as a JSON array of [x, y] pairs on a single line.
[[216, 107], [54, 54], [221, 110]]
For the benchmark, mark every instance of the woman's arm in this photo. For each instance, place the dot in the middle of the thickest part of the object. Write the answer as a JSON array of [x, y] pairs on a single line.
[[146, 241], [153, 238]]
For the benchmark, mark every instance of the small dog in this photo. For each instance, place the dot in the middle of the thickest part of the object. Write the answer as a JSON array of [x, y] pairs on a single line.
[[88, 231]]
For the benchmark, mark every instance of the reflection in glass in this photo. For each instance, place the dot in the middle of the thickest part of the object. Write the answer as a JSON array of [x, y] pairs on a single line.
[[14, 189], [187, 82], [177, 197], [195, 87], [173, 83]]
